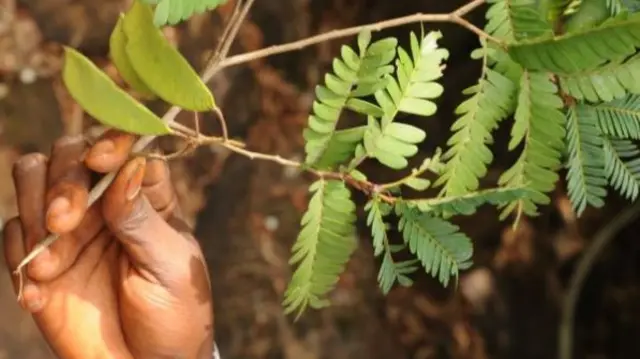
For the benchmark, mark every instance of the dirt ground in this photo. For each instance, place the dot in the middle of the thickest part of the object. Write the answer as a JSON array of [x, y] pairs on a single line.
[[247, 213]]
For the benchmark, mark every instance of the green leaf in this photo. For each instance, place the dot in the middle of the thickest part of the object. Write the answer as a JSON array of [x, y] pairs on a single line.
[[586, 179], [101, 98], [171, 12], [355, 76], [442, 250], [390, 271], [389, 148], [341, 147], [539, 126], [622, 166], [604, 83], [590, 14], [323, 247], [469, 155], [119, 57], [579, 51], [620, 118], [160, 65], [467, 204], [414, 88], [412, 92], [417, 183]]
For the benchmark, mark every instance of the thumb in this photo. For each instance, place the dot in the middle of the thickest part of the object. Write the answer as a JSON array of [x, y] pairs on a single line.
[[145, 236]]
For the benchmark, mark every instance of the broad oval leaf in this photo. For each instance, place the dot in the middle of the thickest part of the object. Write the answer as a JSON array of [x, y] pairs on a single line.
[[118, 54], [160, 65], [101, 98]]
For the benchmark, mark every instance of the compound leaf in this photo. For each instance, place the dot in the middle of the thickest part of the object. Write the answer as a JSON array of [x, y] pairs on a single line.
[[442, 250], [586, 180], [171, 12], [323, 247], [583, 50]]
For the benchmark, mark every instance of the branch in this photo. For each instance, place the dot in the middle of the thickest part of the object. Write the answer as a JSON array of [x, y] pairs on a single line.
[[220, 62], [455, 17]]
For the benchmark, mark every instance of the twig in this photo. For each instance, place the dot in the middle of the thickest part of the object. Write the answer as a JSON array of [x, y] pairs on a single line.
[[143, 142], [455, 16], [220, 62], [600, 241]]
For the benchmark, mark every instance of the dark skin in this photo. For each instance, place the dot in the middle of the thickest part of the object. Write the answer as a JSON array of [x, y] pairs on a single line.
[[126, 279]]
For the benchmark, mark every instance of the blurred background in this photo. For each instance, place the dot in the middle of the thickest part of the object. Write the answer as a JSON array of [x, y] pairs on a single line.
[[246, 213]]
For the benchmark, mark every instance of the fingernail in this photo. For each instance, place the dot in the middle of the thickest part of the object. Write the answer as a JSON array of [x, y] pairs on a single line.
[[59, 206], [135, 180]]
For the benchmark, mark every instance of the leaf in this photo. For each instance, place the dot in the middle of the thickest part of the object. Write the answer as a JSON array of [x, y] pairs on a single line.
[[622, 166], [590, 14], [323, 247], [160, 65], [355, 75], [442, 250], [586, 179], [604, 83], [579, 51], [171, 12], [412, 92], [467, 204], [620, 118], [539, 126], [117, 52], [387, 146], [101, 98], [414, 88], [468, 155], [390, 271]]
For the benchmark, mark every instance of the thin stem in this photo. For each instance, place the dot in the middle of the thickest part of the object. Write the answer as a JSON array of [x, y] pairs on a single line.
[[600, 241], [454, 17], [261, 156]]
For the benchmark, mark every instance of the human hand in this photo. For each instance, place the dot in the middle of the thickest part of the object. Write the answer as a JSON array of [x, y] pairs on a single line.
[[126, 279]]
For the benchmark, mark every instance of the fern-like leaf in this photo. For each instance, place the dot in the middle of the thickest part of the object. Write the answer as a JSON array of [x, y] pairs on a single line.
[[355, 76], [439, 245], [415, 87], [341, 148], [539, 123], [620, 118], [468, 203], [469, 155], [323, 247], [512, 20], [391, 271], [412, 92], [393, 144], [586, 180], [580, 51], [171, 12], [622, 165], [605, 83]]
